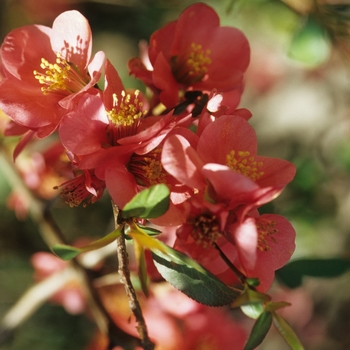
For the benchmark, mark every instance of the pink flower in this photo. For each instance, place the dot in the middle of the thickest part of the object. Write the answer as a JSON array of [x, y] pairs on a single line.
[[71, 295], [213, 329], [227, 147], [84, 188], [202, 232], [264, 244], [220, 104], [112, 136], [231, 182], [45, 69], [192, 53]]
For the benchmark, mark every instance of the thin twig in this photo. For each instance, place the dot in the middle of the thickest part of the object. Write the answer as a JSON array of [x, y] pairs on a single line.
[[124, 272], [233, 268]]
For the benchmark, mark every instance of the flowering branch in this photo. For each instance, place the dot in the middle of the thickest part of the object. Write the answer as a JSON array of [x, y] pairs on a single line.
[[190, 173]]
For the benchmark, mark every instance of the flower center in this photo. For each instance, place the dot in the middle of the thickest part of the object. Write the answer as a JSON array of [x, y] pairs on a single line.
[[206, 230], [125, 116], [84, 188], [193, 66], [266, 230], [60, 77], [148, 169], [244, 163]]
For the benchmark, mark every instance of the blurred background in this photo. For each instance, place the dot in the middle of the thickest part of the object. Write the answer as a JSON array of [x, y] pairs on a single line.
[[297, 88]]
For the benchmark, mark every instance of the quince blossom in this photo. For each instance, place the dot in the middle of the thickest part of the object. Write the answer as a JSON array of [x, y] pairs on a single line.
[[112, 136], [231, 182], [47, 68], [192, 53]]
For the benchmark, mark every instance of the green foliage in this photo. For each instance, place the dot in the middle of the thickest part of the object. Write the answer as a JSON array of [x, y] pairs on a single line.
[[310, 44], [251, 297], [149, 203], [193, 280], [141, 266], [67, 252], [252, 310], [259, 331], [184, 273], [287, 332], [150, 231], [292, 274]]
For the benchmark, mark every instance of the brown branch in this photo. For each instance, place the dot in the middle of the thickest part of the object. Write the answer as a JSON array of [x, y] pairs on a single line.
[[124, 272]]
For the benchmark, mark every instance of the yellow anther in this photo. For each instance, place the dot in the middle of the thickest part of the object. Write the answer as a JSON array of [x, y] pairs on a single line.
[[148, 169], [266, 229], [125, 112], [59, 77], [244, 163], [193, 66], [206, 230]]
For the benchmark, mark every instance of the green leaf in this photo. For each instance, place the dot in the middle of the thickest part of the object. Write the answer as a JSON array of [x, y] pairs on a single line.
[[149, 203], [192, 279], [150, 231], [311, 44], [253, 282], [67, 252], [184, 273], [250, 296], [287, 332], [259, 331], [253, 310], [292, 274], [141, 266], [146, 241], [273, 306]]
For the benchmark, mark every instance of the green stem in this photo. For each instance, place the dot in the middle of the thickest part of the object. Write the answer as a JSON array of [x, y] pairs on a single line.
[[238, 273]]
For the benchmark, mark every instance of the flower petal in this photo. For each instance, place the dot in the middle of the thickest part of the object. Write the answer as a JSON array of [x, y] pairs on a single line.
[[227, 133], [71, 36], [181, 161], [83, 130], [22, 50]]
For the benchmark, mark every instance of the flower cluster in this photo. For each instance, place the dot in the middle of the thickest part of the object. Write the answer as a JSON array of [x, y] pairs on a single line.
[[200, 145], [186, 133]]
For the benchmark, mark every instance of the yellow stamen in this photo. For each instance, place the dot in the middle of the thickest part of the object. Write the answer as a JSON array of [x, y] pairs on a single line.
[[125, 112], [244, 163], [266, 228], [60, 77], [206, 230], [148, 169], [126, 115], [192, 67]]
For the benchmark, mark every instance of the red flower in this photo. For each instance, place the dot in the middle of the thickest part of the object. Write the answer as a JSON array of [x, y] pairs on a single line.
[[70, 294], [112, 137], [192, 53], [47, 68], [264, 244], [202, 232], [226, 147], [84, 188], [231, 182]]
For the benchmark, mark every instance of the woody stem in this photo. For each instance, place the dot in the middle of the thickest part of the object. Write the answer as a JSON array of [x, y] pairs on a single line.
[[124, 272]]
